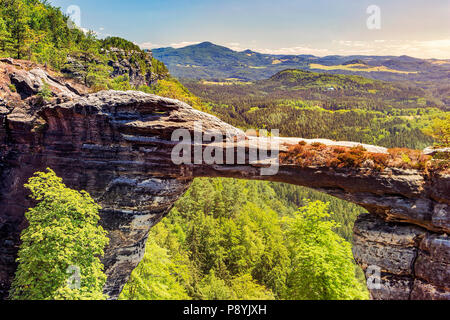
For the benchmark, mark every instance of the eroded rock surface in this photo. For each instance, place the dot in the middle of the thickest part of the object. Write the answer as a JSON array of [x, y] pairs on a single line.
[[117, 146], [413, 262]]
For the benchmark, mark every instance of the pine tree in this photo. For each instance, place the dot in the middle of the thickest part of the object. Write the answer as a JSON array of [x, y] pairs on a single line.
[[4, 36], [20, 31]]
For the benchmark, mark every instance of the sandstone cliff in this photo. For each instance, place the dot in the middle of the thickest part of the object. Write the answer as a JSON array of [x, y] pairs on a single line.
[[122, 63], [117, 146]]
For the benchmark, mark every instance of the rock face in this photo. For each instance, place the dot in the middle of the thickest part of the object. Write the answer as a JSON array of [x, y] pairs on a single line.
[[412, 261], [121, 62], [126, 66], [118, 147]]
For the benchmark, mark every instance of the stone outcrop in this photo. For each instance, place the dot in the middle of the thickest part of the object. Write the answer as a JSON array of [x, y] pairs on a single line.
[[125, 65], [118, 147], [412, 261], [122, 63]]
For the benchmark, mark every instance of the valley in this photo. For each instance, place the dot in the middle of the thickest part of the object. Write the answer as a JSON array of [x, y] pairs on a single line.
[[318, 105]]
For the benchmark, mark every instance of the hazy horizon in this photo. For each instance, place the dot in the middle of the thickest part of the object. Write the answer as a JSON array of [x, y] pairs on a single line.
[[318, 27], [320, 56]]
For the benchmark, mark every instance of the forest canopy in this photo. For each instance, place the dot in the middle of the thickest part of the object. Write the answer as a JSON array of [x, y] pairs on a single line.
[[230, 239]]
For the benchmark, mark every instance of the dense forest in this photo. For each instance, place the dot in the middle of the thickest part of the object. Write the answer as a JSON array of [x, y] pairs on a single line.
[[339, 107], [231, 239]]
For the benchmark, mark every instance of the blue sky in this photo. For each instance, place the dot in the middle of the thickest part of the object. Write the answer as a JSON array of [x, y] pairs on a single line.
[[418, 28]]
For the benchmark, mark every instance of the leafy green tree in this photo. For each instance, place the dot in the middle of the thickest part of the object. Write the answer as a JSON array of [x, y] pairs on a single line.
[[153, 279], [45, 93], [214, 288], [97, 76], [4, 35], [322, 261], [246, 288], [20, 31], [172, 88], [121, 83], [243, 287], [440, 130], [60, 250]]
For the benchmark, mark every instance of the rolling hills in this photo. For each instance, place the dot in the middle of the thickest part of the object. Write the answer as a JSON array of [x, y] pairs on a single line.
[[339, 107], [213, 62]]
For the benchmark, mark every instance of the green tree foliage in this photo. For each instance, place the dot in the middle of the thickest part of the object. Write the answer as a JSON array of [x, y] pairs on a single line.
[[225, 239], [120, 43], [154, 278], [37, 31], [440, 130], [172, 88], [301, 104], [63, 235], [345, 213], [5, 35], [19, 27], [159, 68], [322, 261], [246, 288]]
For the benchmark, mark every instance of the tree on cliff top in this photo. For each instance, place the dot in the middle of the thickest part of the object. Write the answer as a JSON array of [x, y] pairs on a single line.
[[440, 130], [59, 255]]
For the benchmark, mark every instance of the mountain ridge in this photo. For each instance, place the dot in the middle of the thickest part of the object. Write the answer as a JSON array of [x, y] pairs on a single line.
[[210, 61]]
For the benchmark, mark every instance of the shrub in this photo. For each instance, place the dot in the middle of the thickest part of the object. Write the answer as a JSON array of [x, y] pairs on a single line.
[[320, 155], [45, 93], [12, 88], [405, 158], [353, 157], [440, 130], [319, 146]]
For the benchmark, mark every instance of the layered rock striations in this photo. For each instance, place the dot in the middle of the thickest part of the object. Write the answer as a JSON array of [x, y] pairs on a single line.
[[118, 147]]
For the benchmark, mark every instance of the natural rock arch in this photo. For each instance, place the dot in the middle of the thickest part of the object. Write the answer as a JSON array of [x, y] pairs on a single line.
[[117, 146]]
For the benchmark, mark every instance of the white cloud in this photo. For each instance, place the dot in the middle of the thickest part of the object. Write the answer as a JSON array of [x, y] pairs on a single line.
[[236, 46], [296, 51], [182, 44], [415, 48], [151, 45]]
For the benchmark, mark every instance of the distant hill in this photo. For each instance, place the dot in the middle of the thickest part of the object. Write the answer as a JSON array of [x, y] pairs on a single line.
[[331, 91], [294, 79], [355, 61], [212, 62], [312, 105]]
